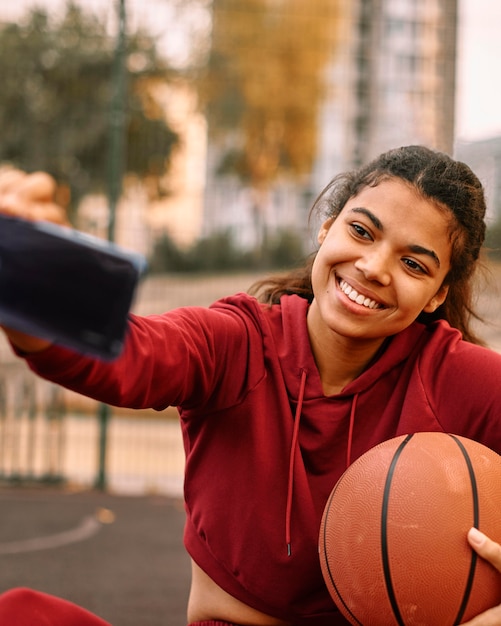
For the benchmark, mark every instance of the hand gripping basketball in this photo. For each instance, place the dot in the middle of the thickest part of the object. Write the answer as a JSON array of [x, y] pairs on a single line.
[[393, 541], [490, 551]]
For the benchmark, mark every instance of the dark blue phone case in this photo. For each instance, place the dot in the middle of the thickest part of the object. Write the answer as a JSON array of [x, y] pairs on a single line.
[[66, 286]]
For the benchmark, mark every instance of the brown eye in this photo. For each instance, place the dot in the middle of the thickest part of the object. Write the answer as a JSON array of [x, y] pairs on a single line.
[[360, 231], [415, 266]]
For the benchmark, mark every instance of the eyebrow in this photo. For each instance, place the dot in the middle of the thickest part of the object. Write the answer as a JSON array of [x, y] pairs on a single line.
[[417, 249]]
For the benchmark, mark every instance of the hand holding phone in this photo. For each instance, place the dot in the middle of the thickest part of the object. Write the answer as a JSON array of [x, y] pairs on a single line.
[[56, 284], [33, 196], [66, 287]]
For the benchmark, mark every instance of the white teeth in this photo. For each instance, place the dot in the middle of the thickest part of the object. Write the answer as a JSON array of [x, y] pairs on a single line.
[[357, 297]]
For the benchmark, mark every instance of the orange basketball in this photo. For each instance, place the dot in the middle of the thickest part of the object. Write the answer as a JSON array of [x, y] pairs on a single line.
[[393, 545]]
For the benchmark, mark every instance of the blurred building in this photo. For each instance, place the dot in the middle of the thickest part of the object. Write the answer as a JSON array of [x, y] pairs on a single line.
[[390, 82], [404, 68]]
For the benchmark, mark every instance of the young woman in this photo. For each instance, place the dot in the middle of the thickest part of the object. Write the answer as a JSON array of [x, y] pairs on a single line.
[[280, 391]]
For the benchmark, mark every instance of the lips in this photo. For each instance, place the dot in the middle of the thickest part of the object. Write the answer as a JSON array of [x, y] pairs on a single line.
[[358, 297]]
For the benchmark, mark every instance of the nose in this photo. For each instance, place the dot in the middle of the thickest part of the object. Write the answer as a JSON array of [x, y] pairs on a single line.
[[375, 266]]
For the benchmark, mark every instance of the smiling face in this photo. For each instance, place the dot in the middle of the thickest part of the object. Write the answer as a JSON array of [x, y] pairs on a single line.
[[381, 262]]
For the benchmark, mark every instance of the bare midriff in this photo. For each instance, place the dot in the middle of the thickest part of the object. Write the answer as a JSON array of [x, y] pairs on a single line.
[[209, 602]]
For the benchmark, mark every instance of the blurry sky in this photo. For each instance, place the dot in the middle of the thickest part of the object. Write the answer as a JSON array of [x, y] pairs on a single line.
[[479, 61], [479, 57]]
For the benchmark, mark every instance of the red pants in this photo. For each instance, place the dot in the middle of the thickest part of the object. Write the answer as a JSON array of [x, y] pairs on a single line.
[[25, 607]]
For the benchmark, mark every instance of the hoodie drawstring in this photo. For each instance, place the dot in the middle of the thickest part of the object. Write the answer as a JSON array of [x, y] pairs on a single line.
[[350, 429], [292, 458], [290, 486]]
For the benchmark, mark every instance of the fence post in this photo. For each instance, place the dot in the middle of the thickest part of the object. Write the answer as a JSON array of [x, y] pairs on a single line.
[[116, 167]]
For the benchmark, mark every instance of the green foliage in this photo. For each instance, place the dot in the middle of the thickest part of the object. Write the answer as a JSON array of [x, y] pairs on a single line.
[[219, 253], [57, 82], [167, 257]]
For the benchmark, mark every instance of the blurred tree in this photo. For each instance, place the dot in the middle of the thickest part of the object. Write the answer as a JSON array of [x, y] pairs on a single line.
[[264, 85], [55, 100]]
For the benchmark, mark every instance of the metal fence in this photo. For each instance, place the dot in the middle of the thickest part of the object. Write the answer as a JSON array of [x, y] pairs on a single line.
[[31, 427]]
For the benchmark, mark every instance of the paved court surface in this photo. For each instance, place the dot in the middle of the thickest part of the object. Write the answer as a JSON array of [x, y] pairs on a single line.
[[121, 557]]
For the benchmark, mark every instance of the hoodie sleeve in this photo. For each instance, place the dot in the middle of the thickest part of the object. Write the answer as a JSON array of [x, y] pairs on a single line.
[[463, 383], [179, 358]]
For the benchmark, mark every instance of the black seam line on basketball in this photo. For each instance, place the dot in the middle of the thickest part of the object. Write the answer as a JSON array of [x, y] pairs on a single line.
[[476, 516], [384, 535], [326, 560]]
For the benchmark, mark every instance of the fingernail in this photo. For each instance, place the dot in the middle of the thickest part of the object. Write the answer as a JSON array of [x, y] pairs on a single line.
[[476, 536]]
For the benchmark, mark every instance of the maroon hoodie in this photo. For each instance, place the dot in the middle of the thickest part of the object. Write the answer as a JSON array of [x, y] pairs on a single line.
[[264, 445]]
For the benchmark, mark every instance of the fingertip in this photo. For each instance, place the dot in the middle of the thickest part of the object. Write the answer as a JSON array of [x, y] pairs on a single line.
[[476, 538], [38, 186]]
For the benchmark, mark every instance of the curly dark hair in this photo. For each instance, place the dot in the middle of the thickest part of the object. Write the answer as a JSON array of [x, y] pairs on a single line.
[[436, 176]]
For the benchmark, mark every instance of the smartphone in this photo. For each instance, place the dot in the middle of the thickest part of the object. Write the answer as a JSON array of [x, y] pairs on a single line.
[[66, 286]]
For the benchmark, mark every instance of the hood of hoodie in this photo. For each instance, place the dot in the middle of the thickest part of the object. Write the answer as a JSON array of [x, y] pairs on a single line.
[[295, 354], [294, 350]]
